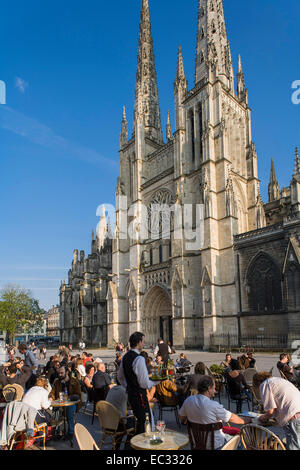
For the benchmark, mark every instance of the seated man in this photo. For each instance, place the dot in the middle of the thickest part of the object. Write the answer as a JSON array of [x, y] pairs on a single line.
[[286, 369], [226, 364], [71, 387], [101, 381], [166, 392], [202, 409], [12, 376]]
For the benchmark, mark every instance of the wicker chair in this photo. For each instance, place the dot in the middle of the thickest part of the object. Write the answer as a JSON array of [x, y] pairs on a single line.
[[232, 444], [113, 424], [256, 400], [202, 436], [256, 437], [84, 439], [14, 392]]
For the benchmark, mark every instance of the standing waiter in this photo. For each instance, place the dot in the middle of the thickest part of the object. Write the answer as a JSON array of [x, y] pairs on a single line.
[[133, 375]]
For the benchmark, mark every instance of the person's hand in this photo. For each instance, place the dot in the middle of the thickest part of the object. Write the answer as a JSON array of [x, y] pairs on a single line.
[[248, 420]]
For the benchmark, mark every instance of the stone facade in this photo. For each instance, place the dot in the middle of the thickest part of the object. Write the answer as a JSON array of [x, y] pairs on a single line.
[[83, 314], [161, 285]]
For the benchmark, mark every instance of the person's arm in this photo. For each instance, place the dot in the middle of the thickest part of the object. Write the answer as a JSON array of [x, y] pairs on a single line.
[[235, 419], [267, 416], [140, 369], [87, 382], [155, 350]]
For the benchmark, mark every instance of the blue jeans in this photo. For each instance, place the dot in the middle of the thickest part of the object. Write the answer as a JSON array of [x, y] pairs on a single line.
[[70, 411], [292, 432]]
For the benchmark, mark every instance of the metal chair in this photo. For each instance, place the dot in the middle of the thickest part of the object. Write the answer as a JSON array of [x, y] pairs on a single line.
[[84, 439], [113, 424], [256, 400], [232, 444], [201, 434], [237, 400], [255, 437]]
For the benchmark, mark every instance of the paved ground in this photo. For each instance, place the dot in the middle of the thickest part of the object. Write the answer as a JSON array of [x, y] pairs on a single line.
[[264, 362]]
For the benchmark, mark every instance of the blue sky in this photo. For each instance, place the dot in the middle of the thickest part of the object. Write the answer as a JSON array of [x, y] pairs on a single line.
[[69, 67]]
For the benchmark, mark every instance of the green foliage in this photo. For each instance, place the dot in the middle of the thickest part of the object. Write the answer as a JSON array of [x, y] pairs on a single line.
[[19, 312], [217, 369]]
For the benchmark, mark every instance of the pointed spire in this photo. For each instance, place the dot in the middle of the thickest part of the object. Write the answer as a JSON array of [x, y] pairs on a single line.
[[124, 133], [274, 192], [213, 56], [147, 109], [169, 128], [242, 93], [102, 229], [297, 163]]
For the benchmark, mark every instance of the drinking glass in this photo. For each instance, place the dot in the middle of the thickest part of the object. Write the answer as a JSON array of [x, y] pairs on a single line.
[[161, 426]]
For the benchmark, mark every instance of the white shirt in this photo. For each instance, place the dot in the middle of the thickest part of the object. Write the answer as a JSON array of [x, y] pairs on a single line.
[[140, 370], [202, 410], [37, 397], [281, 395]]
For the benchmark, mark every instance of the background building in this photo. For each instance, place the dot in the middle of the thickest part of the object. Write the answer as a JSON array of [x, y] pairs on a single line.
[[53, 322]]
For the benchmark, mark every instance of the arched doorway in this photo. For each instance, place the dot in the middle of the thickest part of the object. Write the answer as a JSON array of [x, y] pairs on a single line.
[[157, 315]]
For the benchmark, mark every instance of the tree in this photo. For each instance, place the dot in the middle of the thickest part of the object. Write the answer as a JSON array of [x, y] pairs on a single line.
[[19, 311]]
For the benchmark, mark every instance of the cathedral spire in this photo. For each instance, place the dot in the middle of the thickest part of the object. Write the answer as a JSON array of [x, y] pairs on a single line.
[[274, 193], [169, 128], [180, 75], [102, 229], [147, 109], [180, 90], [241, 87], [124, 133], [297, 163], [213, 56]]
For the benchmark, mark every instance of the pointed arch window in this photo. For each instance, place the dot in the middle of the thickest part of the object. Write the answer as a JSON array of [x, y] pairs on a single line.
[[213, 27], [264, 283], [160, 254], [292, 286], [151, 257]]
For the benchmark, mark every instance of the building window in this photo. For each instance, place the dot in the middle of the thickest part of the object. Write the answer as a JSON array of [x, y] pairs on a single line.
[[264, 281], [170, 249], [160, 253], [151, 257]]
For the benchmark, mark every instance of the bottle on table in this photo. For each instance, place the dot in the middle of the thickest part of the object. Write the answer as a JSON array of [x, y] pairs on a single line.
[[147, 425]]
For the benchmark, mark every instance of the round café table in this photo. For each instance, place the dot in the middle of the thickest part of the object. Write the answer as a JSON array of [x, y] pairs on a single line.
[[64, 405], [172, 440]]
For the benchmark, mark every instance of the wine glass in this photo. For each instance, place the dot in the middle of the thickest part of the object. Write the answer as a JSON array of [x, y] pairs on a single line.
[[161, 426]]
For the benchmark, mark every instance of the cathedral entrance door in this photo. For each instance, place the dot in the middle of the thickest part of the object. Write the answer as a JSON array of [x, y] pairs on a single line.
[[157, 315]]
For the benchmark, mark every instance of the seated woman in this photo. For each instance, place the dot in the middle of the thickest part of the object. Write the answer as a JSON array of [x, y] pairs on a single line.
[[79, 370], [150, 393], [38, 397], [166, 392], [90, 372], [237, 385]]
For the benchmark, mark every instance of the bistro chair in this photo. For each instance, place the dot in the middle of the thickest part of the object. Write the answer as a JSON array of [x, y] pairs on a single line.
[[232, 444], [14, 392], [113, 425], [219, 382], [162, 407], [84, 439], [202, 436], [255, 437], [237, 400], [39, 432]]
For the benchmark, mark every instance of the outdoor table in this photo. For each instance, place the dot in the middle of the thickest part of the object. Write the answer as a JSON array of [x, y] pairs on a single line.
[[172, 440], [64, 405]]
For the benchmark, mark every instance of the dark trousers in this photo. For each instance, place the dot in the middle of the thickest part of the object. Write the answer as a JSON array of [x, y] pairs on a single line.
[[140, 406]]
